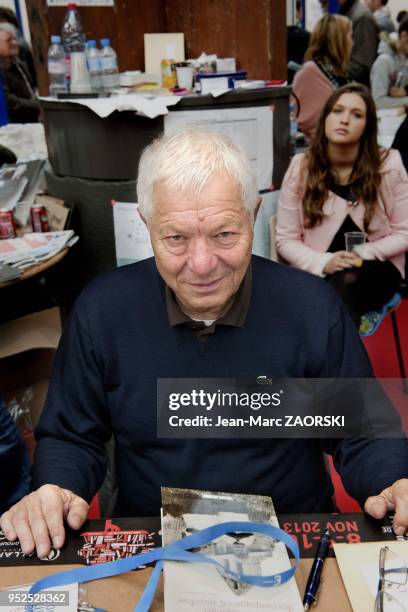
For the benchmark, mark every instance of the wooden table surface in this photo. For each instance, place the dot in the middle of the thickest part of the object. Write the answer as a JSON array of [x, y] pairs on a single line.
[[120, 594]]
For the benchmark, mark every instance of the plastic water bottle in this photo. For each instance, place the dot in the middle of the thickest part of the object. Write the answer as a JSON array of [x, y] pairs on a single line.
[[73, 37], [56, 67], [109, 66], [293, 128], [94, 65]]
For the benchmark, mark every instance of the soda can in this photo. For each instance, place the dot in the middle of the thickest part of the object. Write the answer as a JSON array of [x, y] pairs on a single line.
[[39, 218], [7, 224]]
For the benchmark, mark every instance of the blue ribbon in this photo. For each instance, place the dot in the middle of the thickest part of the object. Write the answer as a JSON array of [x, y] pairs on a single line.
[[178, 551]]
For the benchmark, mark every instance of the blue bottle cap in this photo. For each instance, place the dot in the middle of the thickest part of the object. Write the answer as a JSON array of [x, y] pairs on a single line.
[[105, 42], [91, 43], [56, 40]]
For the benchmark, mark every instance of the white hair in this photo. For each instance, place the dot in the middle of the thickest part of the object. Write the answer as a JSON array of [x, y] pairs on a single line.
[[187, 161]]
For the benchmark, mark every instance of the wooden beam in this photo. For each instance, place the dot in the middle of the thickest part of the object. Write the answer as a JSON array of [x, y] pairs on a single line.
[[39, 30]]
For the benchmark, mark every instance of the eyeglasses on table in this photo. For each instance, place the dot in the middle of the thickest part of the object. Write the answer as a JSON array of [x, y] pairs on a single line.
[[392, 594]]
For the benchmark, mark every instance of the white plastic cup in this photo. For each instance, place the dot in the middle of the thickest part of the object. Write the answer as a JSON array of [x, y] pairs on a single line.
[[185, 77], [80, 81]]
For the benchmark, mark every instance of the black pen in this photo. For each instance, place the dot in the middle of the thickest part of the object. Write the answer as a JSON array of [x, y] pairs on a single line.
[[313, 581]]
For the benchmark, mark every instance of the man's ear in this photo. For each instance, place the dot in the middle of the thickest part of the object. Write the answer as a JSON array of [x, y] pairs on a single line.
[[257, 205]]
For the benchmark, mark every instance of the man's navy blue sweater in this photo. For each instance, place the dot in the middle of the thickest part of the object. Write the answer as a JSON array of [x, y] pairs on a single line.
[[118, 341]]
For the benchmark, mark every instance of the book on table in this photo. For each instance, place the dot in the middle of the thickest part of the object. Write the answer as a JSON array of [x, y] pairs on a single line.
[[199, 587]]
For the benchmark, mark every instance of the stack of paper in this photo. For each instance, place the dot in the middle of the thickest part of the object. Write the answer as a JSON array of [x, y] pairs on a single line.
[[35, 247], [8, 273]]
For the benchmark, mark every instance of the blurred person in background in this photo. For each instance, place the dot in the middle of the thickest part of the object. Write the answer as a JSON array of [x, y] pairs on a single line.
[[389, 74], [22, 103], [24, 53], [324, 70], [365, 39], [297, 41], [345, 182], [381, 14], [401, 16], [14, 461], [401, 142]]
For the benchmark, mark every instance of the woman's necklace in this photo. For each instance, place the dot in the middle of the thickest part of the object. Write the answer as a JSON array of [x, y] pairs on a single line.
[[347, 188], [352, 199]]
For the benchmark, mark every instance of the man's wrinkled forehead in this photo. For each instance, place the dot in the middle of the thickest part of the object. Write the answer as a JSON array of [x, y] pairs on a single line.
[[228, 191]]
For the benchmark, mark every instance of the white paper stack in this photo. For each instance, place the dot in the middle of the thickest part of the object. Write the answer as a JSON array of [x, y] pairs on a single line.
[[35, 247]]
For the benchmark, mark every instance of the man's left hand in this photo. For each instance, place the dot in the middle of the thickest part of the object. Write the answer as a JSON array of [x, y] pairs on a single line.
[[393, 498]]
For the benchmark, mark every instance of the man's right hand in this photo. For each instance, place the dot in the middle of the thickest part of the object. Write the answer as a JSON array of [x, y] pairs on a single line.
[[38, 518]]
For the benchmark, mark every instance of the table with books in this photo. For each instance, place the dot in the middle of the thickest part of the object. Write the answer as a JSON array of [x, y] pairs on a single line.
[[109, 539], [121, 593]]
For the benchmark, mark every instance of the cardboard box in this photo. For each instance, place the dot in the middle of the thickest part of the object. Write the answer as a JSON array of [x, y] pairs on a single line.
[[27, 349], [58, 212]]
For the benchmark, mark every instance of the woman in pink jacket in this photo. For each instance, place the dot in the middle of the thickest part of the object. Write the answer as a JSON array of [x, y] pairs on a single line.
[[324, 70], [343, 183]]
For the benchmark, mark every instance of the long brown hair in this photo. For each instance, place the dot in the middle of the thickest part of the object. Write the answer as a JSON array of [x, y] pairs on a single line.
[[329, 41], [366, 175]]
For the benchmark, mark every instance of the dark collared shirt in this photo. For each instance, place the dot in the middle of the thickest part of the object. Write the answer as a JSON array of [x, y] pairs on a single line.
[[235, 316]]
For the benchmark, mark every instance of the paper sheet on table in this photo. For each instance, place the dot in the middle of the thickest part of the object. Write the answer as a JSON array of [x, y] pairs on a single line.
[[132, 240], [252, 128], [216, 93], [358, 565], [145, 104], [68, 592]]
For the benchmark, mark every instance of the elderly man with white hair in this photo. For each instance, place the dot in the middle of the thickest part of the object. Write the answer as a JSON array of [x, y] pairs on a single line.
[[203, 307], [22, 103]]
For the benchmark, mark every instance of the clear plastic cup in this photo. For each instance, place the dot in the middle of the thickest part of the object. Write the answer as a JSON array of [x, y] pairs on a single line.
[[354, 242]]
